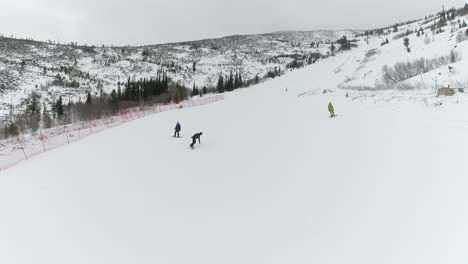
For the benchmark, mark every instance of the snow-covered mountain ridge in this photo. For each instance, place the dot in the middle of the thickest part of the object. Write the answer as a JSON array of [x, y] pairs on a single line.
[[73, 70]]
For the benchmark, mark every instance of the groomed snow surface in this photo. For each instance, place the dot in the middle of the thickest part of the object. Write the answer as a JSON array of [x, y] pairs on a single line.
[[275, 180]]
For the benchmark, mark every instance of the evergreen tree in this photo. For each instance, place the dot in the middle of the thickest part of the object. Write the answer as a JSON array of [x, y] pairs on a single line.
[[119, 93], [180, 94], [46, 120], [406, 43], [195, 91], [273, 73], [114, 101], [33, 109], [220, 86], [241, 82], [59, 107], [344, 43], [11, 129], [230, 84], [33, 103], [442, 19], [89, 98], [53, 108]]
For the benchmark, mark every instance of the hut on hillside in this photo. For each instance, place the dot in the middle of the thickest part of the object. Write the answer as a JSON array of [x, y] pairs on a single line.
[[448, 91]]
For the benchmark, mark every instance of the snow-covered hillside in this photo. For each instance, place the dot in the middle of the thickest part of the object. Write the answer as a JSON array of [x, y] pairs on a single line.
[[27, 66], [437, 58], [72, 71], [273, 181]]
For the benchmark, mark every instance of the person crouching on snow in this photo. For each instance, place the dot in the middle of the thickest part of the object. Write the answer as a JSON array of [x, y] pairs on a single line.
[[194, 139]]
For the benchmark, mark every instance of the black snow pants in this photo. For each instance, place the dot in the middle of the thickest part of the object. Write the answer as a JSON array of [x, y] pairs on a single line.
[[194, 140]]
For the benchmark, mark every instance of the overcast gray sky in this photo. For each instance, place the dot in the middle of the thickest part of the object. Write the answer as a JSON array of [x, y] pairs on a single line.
[[136, 22]]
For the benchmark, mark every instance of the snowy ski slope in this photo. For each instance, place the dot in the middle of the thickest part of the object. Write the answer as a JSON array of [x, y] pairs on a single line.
[[275, 180]]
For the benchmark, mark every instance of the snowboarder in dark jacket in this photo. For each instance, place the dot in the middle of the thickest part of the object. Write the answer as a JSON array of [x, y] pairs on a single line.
[[177, 130], [194, 139]]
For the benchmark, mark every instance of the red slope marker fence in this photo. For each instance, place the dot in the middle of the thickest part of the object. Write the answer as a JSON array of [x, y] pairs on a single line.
[[24, 147]]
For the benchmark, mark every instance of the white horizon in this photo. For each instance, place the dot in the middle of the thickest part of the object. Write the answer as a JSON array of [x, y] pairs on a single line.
[[142, 22]]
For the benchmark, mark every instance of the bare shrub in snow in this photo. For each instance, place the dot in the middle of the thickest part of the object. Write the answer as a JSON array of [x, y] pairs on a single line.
[[455, 56], [459, 84], [360, 88], [461, 36], [405, 86], [427, 40], [402, 71], [409, 86]]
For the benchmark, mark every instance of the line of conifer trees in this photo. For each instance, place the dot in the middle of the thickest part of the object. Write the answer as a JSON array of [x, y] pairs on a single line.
[[143, 89], [230, 83], [233, 81]]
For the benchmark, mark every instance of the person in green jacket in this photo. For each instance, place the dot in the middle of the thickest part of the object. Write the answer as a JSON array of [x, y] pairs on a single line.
[[331, 109]]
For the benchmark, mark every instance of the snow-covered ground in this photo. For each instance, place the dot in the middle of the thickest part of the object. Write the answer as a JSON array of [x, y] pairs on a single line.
[[275, 180]]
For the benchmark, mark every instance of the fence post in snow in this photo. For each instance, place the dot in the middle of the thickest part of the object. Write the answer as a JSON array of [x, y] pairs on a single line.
[[42, 140], [21, 146]]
